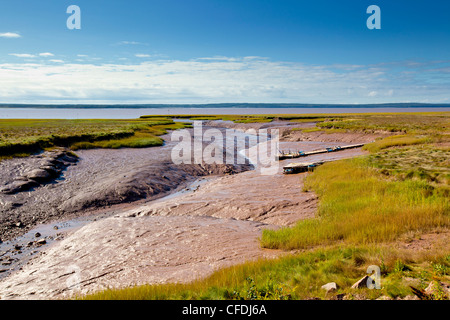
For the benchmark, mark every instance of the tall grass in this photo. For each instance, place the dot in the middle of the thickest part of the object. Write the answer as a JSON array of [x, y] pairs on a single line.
[[395, 141], [358, 205], [422, 162]]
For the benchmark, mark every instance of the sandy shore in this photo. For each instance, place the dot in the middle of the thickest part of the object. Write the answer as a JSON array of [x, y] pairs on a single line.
[[186, 235]]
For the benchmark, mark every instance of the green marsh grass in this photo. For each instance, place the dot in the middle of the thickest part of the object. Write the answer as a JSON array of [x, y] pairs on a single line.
[[311, 130], [423, 162], [24, 137], [395, 141]]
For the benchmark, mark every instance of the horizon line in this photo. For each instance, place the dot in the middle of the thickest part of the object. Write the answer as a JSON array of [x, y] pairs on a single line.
[[225, 105]]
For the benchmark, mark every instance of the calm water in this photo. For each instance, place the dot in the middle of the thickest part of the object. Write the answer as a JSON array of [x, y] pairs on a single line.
[[30, 113]]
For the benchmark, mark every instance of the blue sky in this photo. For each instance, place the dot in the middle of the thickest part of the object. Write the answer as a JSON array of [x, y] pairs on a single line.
[[206, 51]]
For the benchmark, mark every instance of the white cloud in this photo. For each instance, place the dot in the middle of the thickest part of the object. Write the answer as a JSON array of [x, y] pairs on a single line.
[[133, 43], [22, 55], [219, 79], [10, 35], [142, 55], [217, 58], [46, 54]]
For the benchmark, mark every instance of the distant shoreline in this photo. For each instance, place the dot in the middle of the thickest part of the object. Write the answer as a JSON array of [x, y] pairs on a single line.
[[121, 112], [223, 105]]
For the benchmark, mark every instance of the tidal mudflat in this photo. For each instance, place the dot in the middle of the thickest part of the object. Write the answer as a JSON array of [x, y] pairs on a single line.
[[142, 221], [132, 234]]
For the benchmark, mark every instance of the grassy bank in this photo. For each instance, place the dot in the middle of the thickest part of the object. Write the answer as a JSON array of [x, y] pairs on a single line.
[[301, 276], [24, 137], [402, 186], [359, 205]]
